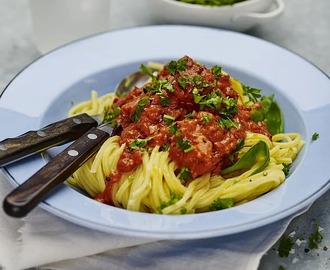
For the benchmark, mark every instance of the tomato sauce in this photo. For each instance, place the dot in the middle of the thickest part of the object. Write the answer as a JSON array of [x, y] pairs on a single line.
[[190, 111]]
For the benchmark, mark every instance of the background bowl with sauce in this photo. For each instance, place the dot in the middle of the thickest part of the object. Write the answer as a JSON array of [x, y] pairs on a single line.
[[237, 17]]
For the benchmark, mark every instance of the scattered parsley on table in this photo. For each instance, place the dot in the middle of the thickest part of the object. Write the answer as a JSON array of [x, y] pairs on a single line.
[[285, 246], [315, 136]]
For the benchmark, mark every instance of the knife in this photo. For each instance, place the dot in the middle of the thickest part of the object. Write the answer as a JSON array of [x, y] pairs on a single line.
[[32, 142], [27, 196]]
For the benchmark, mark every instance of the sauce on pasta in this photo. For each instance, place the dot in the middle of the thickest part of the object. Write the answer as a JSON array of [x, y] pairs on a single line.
[[194, 140], [188, 109]]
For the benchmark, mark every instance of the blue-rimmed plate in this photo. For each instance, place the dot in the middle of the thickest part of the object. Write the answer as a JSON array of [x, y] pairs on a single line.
[[47, 88]]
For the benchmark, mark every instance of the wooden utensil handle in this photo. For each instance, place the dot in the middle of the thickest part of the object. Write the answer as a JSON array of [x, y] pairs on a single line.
[[25, 197], [31, 142]]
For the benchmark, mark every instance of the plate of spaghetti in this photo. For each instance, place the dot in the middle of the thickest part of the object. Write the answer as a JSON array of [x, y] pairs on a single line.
[[224, 137]]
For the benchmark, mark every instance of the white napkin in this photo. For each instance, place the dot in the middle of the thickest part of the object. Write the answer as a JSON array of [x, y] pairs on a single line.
[[44, 240]]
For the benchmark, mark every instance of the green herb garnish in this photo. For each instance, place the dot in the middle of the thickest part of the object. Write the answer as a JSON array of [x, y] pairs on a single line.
[[253, 94], [206, 119], [286, 169], [173, 129], [165, 147], [185, 174], [108, 117], [147, 71], [189, 115], [168, 119], [164, 101], [182, 82], [315, 136], [227, 123], [197, 96], [285, 246], [315, 238], [197, 80], [173, 199], [216, 70], [185, 145], [140, 107], [138, 143], [229, 107], [212, 100], [174, 66], [221, 203]]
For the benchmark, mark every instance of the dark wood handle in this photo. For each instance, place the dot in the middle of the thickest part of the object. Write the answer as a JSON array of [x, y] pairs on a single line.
[[25, 197], [31, 142]]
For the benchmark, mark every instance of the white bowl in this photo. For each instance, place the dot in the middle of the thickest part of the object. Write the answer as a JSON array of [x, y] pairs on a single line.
[[238, 17]]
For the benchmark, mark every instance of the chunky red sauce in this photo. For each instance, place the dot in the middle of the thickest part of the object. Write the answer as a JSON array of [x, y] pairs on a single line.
[[190, 111]]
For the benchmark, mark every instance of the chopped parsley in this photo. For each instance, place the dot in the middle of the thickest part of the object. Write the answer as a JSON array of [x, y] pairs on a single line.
[[147, 71], [216, 70], [286, 169], [253, 94], [173, 129], [227, 123], [158, 86], [171, 68], [185, 174], [189, 115], [174, 66], [212, 100], [183, 211], [229, 106], [285, 246], [185, 145], [197, 96], [168, 119], [108, 117], [138, 143], [315, 238], [167, 86], [197, 80], [182, 82], [173, 199], [315, 136], [222, 203], [140, 107], [206, 119], [165, 147], [164, 101]]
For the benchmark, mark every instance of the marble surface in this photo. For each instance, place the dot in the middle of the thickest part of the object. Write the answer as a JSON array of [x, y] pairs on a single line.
[[304, 28]]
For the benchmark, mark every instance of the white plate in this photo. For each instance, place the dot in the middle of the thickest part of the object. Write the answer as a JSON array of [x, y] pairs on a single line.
[[45, 90]]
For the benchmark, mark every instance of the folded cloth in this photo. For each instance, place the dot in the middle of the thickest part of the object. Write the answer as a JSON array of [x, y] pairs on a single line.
[[48, 242]]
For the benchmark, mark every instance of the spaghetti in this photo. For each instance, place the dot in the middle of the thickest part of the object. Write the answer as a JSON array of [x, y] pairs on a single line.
[[194, 140]]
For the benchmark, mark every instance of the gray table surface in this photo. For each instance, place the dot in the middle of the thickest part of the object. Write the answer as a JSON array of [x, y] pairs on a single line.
[[304, 28]]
